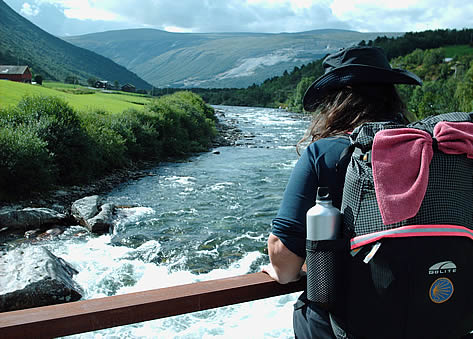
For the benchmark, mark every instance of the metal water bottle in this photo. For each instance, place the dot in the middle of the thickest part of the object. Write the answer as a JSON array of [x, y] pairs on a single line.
[[324, 223]]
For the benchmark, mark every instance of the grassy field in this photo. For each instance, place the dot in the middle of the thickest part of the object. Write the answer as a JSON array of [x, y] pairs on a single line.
[[79, 97], [457, 50]]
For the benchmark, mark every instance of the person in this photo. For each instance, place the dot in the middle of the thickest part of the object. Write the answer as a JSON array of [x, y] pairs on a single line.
[[357, 87]]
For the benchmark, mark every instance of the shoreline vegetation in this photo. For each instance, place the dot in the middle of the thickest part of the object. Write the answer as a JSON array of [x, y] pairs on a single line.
[[50, 152]]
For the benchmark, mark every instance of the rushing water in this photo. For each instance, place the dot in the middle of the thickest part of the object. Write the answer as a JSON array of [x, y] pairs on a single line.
[[205, 218]]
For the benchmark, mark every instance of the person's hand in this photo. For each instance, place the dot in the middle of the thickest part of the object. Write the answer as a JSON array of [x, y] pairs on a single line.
[[269, 269]]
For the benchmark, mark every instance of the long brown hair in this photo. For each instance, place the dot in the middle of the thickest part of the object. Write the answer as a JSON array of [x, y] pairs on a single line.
[[344, 109]]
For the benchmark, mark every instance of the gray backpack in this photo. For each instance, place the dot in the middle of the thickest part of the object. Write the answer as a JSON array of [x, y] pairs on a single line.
[[411, 278]]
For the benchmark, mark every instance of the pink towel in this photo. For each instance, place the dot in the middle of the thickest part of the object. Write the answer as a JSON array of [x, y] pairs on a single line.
[[455, 137], [400, 162]]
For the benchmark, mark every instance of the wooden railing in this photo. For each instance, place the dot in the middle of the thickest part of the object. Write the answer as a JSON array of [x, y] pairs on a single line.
[[95, 314]]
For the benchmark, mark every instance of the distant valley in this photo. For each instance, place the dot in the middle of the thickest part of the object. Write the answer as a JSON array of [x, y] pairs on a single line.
[[150, 57], [215, 60]]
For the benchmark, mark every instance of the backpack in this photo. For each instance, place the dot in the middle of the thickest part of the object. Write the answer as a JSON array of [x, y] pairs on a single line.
[[409, 270]]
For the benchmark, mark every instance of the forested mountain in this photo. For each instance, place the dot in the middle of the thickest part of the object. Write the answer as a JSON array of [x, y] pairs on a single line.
[[215, 60], [53, 58], [407, 43]]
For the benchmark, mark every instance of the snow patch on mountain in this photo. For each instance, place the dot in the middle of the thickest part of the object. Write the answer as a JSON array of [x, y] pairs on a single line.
[[248, 66]]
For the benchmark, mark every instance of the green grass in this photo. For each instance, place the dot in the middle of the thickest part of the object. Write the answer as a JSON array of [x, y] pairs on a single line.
[[79, 97], [457, 50]]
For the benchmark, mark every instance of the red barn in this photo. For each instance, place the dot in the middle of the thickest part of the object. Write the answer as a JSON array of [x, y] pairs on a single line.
[[15, 73]]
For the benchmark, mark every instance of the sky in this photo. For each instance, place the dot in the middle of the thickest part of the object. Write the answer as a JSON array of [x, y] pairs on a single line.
[[76, 17]]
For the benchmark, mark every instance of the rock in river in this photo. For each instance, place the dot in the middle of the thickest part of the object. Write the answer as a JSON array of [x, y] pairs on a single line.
[[85, 208], [33, 277], [30, 218], [102, 222], [86, 212]]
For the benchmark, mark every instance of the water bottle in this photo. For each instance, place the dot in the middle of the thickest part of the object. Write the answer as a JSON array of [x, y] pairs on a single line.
[[324, 223]]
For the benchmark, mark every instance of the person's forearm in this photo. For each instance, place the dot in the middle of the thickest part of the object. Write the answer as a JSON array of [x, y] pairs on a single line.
[[286, 266]]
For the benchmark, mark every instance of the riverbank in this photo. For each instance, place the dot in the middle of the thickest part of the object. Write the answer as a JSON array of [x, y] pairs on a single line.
[[60, 198], [40, 278], [46, 143]]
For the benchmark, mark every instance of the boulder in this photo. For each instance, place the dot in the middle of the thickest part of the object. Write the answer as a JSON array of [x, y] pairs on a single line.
[[102, 222], [87, 213], [33, 277], [85, 209], [30, 218]]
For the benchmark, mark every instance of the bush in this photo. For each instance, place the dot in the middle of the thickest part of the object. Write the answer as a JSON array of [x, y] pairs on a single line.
[[25, 162], [186, 123], [167, 120], [58, 124], [109, 150], [43, 141], [146, 142]]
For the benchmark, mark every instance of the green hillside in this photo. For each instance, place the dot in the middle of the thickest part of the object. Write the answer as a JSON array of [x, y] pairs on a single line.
[[24, 43], [447, 73], [215, 60]]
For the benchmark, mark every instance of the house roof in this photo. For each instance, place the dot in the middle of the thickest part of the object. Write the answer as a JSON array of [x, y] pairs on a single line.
[[9, 69]]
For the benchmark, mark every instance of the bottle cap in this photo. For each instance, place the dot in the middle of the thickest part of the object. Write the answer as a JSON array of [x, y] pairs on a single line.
[[323, 194]]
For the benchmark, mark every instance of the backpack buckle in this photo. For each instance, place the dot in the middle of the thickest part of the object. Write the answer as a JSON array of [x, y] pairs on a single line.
[[366, 157]]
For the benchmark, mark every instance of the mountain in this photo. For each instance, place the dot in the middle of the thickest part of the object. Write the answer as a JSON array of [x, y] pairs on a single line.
[[215, 60], [23, 42]]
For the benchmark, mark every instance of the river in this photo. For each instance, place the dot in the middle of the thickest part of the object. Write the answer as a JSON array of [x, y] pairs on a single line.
[[205, 218]]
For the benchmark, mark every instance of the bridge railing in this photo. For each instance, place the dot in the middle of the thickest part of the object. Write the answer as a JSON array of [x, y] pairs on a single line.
[[96, 314]]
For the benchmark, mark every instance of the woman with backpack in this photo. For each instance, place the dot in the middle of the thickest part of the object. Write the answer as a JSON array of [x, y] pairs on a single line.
[[357, 87]]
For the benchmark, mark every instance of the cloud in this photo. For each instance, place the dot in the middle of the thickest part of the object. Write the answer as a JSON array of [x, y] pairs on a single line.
[[29, 10], [264, 16], [229, 16], [84, 10], [204, 16], [404, 15]]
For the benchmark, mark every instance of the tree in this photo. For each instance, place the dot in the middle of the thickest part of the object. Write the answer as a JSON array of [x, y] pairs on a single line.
[[301, 87], [415, 58], [71, 79], [91, 81], [116, 84], [464, 91], [38, 79], [433, 57], [434, 97]]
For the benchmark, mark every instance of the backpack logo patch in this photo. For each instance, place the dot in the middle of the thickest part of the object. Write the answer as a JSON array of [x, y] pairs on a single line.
[[441, 290], [443, 267]]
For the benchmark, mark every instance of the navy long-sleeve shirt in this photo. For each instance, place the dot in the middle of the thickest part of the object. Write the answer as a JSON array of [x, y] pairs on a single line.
[[316, 167]]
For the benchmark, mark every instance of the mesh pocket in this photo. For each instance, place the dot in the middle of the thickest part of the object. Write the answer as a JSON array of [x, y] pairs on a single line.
[[325, 262]]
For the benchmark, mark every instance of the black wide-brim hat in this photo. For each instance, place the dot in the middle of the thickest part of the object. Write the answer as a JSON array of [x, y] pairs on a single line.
[[359, 65]]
